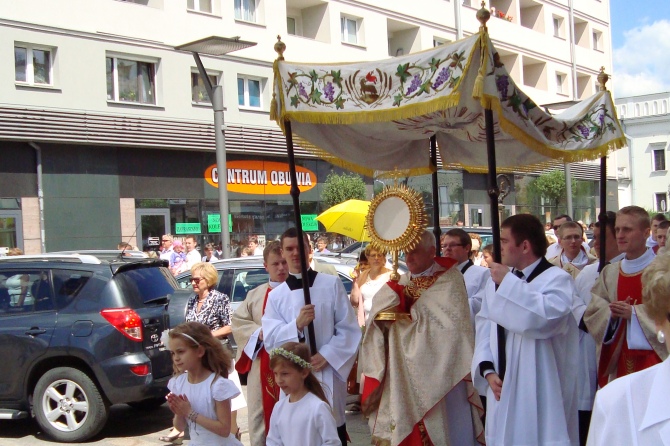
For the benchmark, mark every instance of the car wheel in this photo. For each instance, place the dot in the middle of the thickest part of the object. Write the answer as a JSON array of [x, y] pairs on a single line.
[[68, 405], [150, 404]]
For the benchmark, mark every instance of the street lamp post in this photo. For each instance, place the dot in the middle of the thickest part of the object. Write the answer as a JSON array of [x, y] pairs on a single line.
[[217, 46]]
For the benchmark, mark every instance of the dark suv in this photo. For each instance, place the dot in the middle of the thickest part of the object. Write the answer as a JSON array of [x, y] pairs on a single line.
[[78, 334]]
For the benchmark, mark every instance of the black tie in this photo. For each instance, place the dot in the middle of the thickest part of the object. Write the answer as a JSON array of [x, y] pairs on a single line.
[[502, 358]]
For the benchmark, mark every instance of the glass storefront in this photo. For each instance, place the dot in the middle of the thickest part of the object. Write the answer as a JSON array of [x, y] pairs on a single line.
[[268, 215], [267, 219]]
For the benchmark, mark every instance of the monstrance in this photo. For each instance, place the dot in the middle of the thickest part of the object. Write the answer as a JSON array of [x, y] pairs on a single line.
[[395, 222]]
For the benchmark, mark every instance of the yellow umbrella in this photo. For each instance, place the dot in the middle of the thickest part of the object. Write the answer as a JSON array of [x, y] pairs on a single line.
[[347, 218]]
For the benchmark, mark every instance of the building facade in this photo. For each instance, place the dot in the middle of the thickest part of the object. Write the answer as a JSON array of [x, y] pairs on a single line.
[[106, 130], [644, 180]]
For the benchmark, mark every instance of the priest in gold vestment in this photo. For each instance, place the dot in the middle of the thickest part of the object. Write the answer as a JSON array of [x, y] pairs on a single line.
[[417, 388]]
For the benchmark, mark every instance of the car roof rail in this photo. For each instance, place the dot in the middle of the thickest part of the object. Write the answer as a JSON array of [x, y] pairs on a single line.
[[71, 258]]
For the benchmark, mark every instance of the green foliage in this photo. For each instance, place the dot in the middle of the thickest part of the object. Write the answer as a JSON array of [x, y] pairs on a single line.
[[339, 188], [551, 186]]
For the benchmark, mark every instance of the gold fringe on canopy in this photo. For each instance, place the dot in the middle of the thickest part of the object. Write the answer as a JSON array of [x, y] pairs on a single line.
[[434, 92]]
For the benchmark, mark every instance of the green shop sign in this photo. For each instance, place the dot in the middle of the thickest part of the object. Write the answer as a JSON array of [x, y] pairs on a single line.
[[214, 223], [309, 222], [187, 228]]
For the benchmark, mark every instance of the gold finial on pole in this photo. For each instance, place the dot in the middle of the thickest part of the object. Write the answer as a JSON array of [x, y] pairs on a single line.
[[280, 47], [483, 15], [602, 79]]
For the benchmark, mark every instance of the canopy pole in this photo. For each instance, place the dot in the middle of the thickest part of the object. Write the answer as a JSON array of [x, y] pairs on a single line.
[[602, 217], [295, 194], [493, 190], [436, 203]]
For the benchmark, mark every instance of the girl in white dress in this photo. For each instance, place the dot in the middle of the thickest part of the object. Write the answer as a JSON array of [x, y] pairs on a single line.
[[200, 392], [304, 417]]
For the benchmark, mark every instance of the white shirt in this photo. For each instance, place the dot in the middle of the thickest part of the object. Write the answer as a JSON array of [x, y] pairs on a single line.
[[307, 422], [202, 397], [192, 258], [633, 410]]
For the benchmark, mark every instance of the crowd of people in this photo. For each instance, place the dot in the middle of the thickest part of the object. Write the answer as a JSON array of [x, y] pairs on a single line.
[[183, 254], [540, 348]]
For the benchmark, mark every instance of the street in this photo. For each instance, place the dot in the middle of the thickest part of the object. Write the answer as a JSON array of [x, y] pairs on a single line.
[[130, 427]]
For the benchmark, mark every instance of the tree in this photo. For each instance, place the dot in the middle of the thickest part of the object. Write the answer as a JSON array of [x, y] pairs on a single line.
[[551, 186], [339, 188]]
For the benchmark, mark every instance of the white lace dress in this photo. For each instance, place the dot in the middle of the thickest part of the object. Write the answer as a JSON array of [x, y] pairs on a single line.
[[370, 288]]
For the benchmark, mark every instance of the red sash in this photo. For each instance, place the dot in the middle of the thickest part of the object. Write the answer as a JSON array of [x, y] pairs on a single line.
[[628, 361], [270, 391]]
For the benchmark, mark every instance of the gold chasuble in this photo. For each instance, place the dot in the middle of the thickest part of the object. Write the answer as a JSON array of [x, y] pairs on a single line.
[[417, 387]]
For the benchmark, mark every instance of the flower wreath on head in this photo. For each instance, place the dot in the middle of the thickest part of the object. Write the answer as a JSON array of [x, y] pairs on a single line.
[[291, 357]]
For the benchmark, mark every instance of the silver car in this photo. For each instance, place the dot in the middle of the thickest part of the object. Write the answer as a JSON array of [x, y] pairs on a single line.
[[240, 275]]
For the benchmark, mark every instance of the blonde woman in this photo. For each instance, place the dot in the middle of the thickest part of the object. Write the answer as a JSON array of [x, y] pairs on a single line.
[[370, 281]]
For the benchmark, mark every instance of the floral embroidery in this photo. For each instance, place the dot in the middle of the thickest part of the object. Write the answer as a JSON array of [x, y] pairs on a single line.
[[590, 128], [428, 77], [319, 88]]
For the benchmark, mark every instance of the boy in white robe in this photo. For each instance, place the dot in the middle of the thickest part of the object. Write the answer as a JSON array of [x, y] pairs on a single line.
[[532, 372], [336, 329], [587, 381]]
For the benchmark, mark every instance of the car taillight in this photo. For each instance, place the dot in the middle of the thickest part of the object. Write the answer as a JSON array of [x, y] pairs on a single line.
[[126, 321], [141, 370]]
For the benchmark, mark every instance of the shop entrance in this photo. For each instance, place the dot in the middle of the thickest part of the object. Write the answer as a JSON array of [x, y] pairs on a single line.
[[151, 225]]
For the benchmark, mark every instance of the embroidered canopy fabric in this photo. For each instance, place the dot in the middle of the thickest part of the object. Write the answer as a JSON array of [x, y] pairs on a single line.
[[378, 116]]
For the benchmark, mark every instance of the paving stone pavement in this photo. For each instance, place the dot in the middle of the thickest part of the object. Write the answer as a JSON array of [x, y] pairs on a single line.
[[130, 427]]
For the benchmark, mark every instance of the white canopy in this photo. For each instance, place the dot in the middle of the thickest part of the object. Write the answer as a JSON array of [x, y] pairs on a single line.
[[373, 117]]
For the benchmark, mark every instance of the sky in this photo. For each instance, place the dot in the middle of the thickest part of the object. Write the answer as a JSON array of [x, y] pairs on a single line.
[[641, 46]]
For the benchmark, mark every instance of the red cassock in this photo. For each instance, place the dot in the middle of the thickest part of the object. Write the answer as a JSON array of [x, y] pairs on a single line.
[[629, 361], [268, 385]]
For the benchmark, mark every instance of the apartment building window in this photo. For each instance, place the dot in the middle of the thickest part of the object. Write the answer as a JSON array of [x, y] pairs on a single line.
[[661, 202], [438, 42], [199, 93], [291, 26], [350, 27], [249, 92], [200, 5], [558, 27], [33, 65], [560, 83], [131, 81], [245, 10], [659, 159], [597, 40]]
